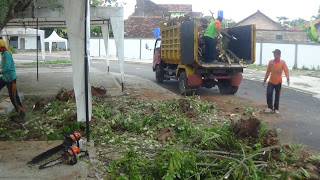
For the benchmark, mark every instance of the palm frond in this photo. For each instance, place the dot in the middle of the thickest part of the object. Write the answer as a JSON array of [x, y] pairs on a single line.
[[311, 32], [4, 9]]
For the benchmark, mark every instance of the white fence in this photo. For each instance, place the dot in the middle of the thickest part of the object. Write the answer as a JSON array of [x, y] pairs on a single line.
[[295, 55], [133, 48]]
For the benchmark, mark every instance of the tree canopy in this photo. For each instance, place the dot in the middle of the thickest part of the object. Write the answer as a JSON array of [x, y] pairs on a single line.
[[9, 8]]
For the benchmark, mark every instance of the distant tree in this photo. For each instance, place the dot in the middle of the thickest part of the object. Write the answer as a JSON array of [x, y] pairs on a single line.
[[296, 22], [282, 20], [318, 15], [62, 32], [95, 31], [225, 22], [311, 32], [286, 23], [107, 2], [228, 23]]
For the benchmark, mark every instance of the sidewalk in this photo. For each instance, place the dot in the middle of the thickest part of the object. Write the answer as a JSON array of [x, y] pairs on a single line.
[[51, 79], [14, 166]]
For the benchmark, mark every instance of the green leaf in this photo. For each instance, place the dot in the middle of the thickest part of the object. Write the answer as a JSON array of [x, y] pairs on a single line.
[[311, 32], [304, 172], [313, 29], [282, 156], [4, 9]]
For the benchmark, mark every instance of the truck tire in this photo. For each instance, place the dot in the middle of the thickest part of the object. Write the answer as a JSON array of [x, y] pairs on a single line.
[[183, 84], [226, 88], [159, 73], [233, 89]]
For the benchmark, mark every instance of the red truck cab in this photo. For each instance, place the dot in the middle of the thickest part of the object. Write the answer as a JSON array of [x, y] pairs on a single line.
[[156, 54]]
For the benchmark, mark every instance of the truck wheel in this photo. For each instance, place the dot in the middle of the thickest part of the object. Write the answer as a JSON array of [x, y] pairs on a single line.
[[159, 73], [234, 89], [226, 88], [183, 84]]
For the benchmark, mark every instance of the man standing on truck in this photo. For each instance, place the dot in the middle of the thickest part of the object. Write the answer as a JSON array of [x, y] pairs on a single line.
[[275, 67], [212, 31]]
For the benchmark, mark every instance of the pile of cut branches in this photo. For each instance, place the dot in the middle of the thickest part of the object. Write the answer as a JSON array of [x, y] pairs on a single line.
[[168, 139], [188, 139]]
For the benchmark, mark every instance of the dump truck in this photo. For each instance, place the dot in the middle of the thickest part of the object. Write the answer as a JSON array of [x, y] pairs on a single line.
[[179, 50]]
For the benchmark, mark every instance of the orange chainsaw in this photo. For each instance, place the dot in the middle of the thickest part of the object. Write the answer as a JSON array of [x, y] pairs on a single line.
[[70, 140], [69, 156]]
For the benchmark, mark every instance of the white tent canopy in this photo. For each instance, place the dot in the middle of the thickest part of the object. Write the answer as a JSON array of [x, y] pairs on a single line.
[[55, 38]]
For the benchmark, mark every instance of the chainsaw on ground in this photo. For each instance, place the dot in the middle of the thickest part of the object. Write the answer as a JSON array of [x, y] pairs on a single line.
[[69, 156], [71, 148]]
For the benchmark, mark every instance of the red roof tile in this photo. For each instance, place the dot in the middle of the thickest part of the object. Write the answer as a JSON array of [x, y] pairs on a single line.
[[148, 16], [138, 26], [306, 23]]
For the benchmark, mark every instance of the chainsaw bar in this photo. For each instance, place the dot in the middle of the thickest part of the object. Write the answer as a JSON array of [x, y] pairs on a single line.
[[68, 157], [70, 139], [47, 154], [51, 163]]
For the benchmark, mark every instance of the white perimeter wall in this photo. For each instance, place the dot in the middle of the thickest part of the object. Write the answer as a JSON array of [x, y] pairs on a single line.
[[308, 56], [303, 55], [133, 48]]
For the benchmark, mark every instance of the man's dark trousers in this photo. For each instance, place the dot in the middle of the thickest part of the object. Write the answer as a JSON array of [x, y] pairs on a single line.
[[211, 50], [277, 89], [13, 93]]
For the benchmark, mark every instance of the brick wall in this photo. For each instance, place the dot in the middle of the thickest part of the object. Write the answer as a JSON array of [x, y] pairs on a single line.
[[287, 36]]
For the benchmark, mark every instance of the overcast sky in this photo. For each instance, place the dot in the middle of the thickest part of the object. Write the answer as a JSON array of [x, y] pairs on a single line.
[[240, 9]]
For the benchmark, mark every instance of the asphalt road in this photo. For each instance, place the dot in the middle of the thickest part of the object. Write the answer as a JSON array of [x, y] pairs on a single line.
[[299, 120]]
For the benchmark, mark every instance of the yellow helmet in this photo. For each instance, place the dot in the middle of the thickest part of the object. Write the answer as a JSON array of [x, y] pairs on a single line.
[[4, 44]]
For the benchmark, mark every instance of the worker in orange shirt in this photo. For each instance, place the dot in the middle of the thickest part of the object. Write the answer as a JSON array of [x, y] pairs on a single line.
[[275, 67]]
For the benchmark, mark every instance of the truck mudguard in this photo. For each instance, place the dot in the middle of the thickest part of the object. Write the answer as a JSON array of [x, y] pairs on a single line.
[[194, 80], [236, 79]]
